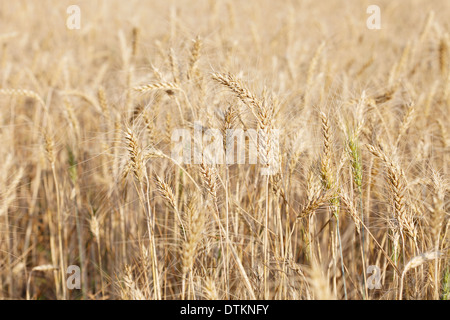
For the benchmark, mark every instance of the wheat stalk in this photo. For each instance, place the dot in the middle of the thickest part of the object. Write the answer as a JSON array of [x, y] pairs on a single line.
[[168, 86], [416, 262], [24, 93]]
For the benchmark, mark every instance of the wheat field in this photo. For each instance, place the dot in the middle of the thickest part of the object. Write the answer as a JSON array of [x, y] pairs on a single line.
[[95, 205]]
